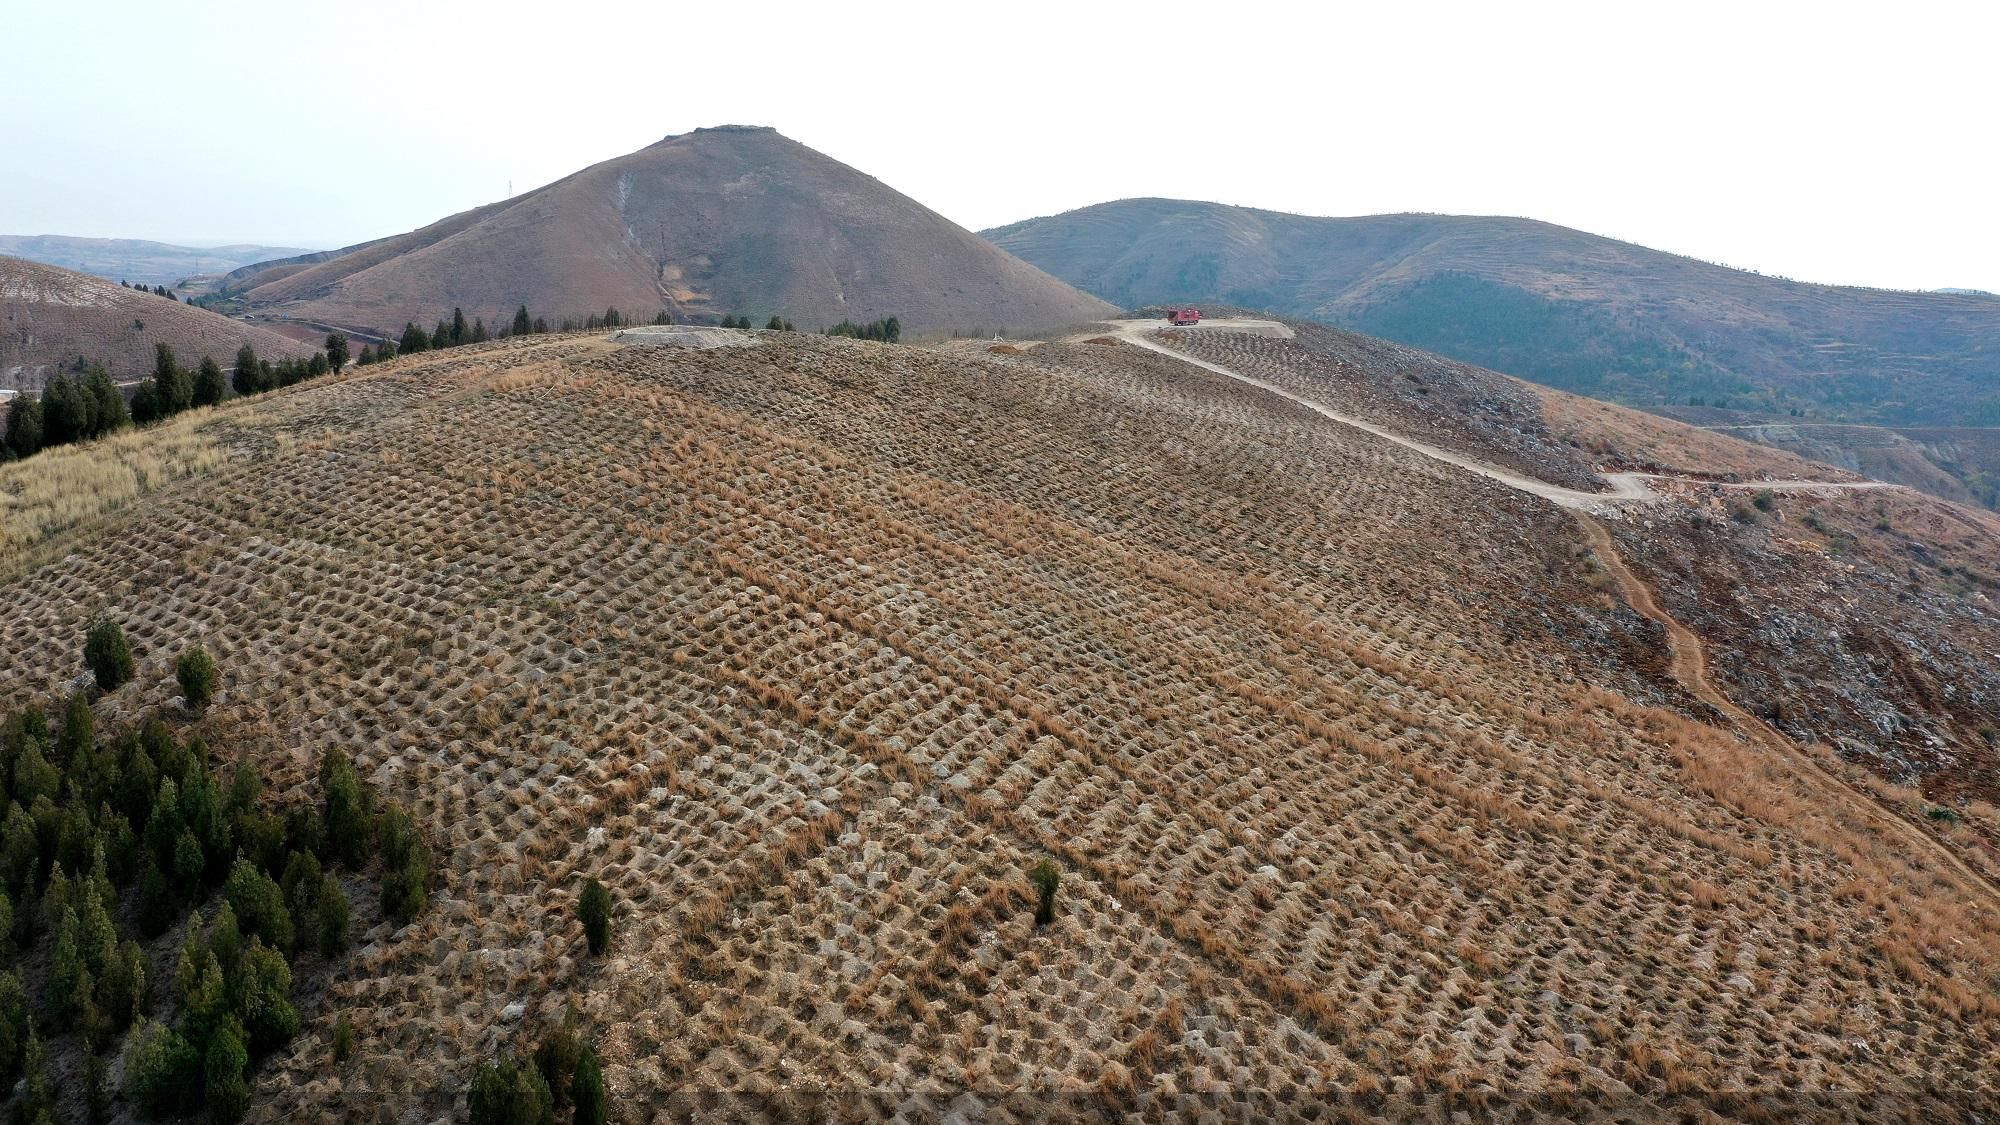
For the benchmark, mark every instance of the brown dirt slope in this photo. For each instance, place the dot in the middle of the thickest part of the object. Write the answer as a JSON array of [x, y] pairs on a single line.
[[49, 316], [1356, 766], [1561, 306], [710, 223]]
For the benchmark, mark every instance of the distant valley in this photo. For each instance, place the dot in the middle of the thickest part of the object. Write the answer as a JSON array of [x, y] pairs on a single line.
[[135, 259]]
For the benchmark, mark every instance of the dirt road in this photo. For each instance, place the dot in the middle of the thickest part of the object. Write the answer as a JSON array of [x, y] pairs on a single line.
[[1623, 490]]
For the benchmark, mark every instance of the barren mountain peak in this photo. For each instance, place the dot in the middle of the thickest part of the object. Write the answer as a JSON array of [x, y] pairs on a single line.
[[731, 220]]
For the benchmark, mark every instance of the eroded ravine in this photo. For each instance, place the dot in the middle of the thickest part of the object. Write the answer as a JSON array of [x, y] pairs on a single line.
[[1689, 665]]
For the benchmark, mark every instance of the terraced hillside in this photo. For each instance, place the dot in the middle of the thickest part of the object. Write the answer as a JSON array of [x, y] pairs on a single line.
[[50, 316], [1859, 617], [1364, 779]]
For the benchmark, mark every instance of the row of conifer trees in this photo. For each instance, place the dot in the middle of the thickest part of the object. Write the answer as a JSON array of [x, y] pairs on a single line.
[[81, 407]]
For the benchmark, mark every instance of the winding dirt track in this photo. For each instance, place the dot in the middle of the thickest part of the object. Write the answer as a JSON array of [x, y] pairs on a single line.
[[1688, 657], [1623, 489]]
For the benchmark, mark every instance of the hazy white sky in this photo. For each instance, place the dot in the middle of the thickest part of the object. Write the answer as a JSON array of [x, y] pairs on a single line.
[[1820, 141]]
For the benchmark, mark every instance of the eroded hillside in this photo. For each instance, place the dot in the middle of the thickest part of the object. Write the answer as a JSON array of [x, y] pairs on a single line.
[[1859, 617], [1363, 778]]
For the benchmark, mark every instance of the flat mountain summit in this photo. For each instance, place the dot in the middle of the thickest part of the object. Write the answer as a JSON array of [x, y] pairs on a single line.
[[725, 221]]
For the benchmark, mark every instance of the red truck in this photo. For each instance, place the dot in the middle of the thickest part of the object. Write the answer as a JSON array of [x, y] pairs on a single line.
[[1180, 317]]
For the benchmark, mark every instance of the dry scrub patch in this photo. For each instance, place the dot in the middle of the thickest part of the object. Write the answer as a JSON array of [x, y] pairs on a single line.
[[809, 651], [1860, 621], [72, 484]]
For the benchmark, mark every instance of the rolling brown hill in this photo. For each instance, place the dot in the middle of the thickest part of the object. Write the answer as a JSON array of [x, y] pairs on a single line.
[[50, 316], [1372, 781], [1564, 308], [711, 223]]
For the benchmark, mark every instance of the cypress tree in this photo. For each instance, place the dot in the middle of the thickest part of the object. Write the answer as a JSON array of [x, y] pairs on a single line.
[[38, 1098], [196, 672], [108, 654], [458, 329], [156, 901], [268, 1014], [414, 339], [14, 1020], [594, 907], [522, 325], [146, 402], [226, 1092], [406, 866], [478, 331], [209, 388], [69, 977], [163, 1071], [64, 414], [244, 379], [24, 426], [108, 411], [441, 335], [587, 1090], [176, 383], [1046, 879], [333, 915], [345, 811]]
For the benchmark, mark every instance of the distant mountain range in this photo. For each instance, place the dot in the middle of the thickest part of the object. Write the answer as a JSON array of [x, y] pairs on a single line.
[[730, 221], [136, 260], [1558, 306]]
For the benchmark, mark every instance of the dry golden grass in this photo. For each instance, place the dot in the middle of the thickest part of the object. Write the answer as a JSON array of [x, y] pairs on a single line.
[[73, 484], [809, 651]]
